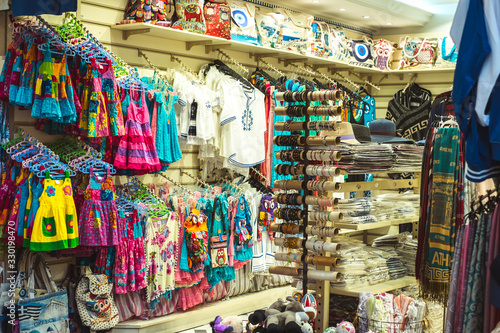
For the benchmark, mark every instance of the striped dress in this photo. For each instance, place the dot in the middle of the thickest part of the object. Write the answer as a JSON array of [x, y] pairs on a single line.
[[136, 150]]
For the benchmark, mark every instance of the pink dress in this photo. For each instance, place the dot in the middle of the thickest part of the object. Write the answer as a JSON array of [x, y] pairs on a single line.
[[136, 150]]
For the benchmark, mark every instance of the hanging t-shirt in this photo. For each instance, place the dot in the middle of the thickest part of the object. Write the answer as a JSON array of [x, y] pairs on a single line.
[[243, 124], [37, 7]]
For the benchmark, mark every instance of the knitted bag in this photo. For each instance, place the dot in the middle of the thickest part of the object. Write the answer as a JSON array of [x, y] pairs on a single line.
[[95, 302]]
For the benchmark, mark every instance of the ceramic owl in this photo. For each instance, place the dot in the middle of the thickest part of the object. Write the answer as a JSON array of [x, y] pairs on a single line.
[[383, 54]]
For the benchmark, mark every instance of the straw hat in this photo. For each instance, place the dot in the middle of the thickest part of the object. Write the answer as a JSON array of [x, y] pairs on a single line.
[[345, 133]]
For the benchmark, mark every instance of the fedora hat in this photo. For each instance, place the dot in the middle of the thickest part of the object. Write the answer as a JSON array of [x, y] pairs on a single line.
[[384, 131], [362, 133]]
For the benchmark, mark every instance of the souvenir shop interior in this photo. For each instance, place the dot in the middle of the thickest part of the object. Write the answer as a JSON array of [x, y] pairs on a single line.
[[225, 166]]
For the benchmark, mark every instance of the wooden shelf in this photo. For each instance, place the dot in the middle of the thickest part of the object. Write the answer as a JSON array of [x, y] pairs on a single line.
[[386, 184], [204, 313], [376, 288], [344, 172], [211, 43], [374, 225]]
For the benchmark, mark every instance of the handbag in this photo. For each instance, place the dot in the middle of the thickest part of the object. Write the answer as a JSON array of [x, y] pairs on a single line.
[[361, 52], [418, 52], [47, 312], [243, 27], [190, 16], [268, 26], [295, 31], [218, 19], [94, 300], [383, 54], [218, 244], [316, 45], [448, 54], [25, 263]]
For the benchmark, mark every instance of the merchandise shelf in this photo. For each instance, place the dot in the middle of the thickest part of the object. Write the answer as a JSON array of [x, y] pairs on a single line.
[[204, 313], [212, 43], [376, 288], [369, 226]]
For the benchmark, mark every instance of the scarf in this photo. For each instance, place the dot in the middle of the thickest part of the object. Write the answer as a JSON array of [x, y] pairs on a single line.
[[440, 229]]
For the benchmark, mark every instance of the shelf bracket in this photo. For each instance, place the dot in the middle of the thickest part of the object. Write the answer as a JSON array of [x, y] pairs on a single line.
[[128, 33], [291, 61], [210, 48], [258, 56], [189, 45]]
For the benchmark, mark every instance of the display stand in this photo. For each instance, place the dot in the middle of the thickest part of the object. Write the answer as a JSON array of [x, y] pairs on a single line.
[[298, 220], [325, 223]]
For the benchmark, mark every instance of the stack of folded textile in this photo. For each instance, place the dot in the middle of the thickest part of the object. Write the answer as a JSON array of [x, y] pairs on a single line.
[[408, 157]]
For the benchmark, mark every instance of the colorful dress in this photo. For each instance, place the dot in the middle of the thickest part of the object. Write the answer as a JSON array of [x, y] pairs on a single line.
[[55, 226], [162, 234], [136, 150], [54, 91], [98, 218]]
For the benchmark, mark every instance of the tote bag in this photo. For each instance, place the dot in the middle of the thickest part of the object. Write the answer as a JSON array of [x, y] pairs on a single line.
[[218, 19], [361, 52], [268, 26], [383, 54], [190, 16], [447, 53], [418, 52], [243, 27], [295, 31], [45, 313]]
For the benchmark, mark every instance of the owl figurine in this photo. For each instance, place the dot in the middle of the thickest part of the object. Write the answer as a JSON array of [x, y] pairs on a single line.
[[383, 54]]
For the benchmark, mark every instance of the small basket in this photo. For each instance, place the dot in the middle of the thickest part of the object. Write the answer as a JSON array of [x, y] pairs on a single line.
[[377, 326]]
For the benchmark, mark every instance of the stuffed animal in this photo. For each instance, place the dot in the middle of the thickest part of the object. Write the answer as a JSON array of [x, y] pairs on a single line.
[[306, 327], [345, 327], [234, 322], [286, 321], [218, 327]]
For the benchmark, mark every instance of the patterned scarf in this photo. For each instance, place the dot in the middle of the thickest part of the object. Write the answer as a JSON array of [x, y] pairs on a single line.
[[439, 239]]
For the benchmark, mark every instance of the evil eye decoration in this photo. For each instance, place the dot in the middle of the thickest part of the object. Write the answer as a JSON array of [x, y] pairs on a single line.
[[361, 52], [240, 18]]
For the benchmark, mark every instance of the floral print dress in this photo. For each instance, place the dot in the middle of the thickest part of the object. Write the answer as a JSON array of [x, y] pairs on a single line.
[[161, 245]]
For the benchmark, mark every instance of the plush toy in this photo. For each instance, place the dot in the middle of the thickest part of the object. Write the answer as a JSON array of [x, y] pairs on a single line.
[[286, 321], [234, 322], [306, 327], [218, 327], [310, 306], [257, 317], [345, 327]]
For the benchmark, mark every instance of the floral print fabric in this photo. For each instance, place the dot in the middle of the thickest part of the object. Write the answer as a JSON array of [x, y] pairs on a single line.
[[161, 244]]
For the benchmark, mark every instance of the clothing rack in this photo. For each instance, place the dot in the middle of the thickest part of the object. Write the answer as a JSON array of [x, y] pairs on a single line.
[[303, 70], [155, 69], [322, 75], [123, 67], [186, 69], [349, 81], [173, 182], [271, 67], [260, 174], [233, 61], [198, 180]]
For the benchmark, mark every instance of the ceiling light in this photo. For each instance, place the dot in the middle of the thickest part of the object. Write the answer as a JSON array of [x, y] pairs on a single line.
[[388, 23], [366, 17], [315, 1], [342, 9]]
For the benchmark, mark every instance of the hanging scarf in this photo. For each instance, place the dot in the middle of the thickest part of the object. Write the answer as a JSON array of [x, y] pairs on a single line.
[[439, 239]]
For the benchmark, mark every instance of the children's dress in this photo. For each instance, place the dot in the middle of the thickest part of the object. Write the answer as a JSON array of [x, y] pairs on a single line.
[[136, 150], [54, 91], [55, 226], [98, 218]]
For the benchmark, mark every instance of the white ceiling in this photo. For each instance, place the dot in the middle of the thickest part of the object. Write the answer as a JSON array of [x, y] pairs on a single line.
[[382, 13]]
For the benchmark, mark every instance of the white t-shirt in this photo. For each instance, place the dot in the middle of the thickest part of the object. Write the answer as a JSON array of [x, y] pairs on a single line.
[[243, 123]]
